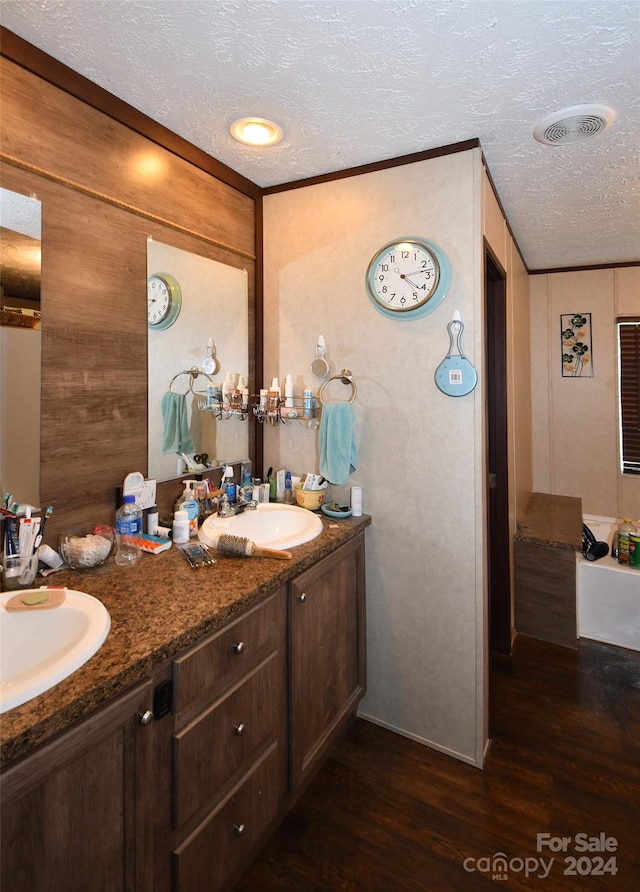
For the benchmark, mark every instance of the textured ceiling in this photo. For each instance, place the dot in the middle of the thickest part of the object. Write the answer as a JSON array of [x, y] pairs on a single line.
[[357, 81]]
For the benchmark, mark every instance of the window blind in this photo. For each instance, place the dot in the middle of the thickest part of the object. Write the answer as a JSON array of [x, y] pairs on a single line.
[[629, 365]]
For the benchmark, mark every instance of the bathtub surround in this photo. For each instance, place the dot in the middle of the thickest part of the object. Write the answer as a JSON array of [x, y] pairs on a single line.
[[608, 593], [545, 547]]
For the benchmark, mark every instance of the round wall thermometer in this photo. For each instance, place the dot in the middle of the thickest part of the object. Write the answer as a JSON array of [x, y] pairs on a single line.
[[164, 301], [408, 278]]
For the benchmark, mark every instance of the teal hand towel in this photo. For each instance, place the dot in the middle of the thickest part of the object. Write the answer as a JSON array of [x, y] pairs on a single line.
[[338, 450], [175, 424]]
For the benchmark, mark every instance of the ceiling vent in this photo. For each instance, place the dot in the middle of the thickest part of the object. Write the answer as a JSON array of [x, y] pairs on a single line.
[[573, 124]]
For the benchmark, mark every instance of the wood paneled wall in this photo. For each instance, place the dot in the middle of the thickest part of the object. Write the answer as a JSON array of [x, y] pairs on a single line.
[[104, 190]]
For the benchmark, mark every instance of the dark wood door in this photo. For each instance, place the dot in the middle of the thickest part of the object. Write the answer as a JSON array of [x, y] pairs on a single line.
[[77, 814], [327, 654], [497, 460]]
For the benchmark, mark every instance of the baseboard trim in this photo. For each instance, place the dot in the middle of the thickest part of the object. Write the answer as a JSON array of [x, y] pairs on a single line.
[[418, 739]]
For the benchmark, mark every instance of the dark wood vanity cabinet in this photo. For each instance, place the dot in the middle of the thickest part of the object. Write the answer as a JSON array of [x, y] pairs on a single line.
[[229, 747], [185, 803], [327, 657], [257, 707], [78, 813]]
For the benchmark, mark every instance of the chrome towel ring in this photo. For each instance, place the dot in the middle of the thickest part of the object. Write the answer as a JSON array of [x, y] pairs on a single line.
[[193, 373], [347, 378]]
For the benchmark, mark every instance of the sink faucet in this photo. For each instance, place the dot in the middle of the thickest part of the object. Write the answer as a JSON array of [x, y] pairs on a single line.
[[226, 509]]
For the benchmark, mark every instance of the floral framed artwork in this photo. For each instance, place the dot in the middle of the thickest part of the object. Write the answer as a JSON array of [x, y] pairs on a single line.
[[577, 359]]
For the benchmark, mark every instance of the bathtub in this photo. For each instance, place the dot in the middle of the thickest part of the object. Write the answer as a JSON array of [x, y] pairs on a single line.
[[608, 593]]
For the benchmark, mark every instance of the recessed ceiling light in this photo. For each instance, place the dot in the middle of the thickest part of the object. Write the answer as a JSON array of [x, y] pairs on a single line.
[[256, 132], [573, 124]]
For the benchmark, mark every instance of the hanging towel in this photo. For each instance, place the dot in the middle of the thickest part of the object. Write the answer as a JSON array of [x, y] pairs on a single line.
[[338, 450], [175, 424]]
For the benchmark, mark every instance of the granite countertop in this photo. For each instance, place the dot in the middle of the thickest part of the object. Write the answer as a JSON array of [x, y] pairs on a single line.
[[552, 521], [158, 607]]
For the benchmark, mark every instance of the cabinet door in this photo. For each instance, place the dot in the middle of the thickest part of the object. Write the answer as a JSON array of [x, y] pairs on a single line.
[[77, 813], [327, 654]]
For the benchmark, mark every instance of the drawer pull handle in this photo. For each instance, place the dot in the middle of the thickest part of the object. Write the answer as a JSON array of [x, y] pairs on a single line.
[[302, 598], [145, 717], [239, 647], [240, 729], [239, 829]]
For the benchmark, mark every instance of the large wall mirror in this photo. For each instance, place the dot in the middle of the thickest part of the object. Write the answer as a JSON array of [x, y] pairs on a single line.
[[20, 346], [193, 301]]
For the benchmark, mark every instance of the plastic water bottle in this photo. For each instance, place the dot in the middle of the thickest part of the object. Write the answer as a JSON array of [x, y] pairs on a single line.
[[128, 528]]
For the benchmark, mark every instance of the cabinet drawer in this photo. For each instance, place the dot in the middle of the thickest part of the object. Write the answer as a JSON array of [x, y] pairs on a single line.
[[209, 668], [223, 741], [219, 847]]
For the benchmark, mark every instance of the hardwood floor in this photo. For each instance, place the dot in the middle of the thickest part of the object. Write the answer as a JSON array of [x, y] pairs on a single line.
[[386, 814]]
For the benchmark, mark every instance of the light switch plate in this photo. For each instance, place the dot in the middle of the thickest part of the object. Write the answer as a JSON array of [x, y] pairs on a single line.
[[144, 490], [146, 496]]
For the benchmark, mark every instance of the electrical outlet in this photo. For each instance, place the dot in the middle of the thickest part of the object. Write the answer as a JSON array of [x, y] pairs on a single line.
[[146, 495]]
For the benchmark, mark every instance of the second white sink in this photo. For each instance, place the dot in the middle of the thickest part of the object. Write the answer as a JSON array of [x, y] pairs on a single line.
[[39, 648], [269, 526]]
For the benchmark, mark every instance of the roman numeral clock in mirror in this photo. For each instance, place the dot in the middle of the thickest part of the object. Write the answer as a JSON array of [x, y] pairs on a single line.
[[408, 278], [164, 301]]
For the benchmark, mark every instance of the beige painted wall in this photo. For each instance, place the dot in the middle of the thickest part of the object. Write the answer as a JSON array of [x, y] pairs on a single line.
[[575, 421], [421, 452]]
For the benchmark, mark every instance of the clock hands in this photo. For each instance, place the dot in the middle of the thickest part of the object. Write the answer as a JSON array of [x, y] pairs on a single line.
[[417, 273], [413, 284]]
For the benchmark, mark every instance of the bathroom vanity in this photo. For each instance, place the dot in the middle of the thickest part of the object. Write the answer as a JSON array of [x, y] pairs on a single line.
[[166, 761]]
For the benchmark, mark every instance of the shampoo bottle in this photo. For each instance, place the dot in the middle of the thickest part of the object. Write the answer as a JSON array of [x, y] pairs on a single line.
[[624, 530]]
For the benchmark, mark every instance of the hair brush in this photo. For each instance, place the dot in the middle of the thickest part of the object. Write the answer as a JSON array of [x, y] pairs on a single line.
[[238, 546]]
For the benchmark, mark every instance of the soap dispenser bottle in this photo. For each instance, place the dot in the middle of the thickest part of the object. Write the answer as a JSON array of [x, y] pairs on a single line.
[[188, 502]]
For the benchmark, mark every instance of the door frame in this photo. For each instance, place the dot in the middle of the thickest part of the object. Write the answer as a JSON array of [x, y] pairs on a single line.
[[497, 470]]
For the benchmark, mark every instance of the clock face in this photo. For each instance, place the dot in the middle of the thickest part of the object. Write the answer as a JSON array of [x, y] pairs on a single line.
[[407, 278], [164, 301]]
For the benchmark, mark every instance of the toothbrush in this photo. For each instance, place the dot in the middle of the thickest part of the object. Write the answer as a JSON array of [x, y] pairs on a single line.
[[38, 540]]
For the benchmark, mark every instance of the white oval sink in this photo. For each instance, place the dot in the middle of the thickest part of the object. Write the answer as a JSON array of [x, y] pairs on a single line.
[[39, 648], [269, 526]]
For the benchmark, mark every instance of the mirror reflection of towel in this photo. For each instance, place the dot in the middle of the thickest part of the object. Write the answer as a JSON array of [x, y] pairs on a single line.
[[338, 450], [175, 424]]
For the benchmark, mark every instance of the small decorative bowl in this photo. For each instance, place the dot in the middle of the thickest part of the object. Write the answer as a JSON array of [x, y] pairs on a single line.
[[337, 511], [310, 498], [85, 547]]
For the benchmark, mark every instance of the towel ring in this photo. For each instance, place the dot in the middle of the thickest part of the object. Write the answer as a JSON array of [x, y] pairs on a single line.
[[347, 378], [193, 373]]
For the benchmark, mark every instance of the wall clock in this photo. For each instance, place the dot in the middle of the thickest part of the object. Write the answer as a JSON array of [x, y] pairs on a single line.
[[408, 278], [164, 301]]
